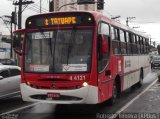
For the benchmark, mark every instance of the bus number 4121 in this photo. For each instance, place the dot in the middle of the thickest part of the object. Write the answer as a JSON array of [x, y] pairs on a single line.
[[78, 78]]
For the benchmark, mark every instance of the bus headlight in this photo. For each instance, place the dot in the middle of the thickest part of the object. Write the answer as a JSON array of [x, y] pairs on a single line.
[[28, 83], [85, 84]]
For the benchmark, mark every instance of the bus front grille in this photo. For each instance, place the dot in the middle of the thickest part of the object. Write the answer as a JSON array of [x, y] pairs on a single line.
[[61, 98]]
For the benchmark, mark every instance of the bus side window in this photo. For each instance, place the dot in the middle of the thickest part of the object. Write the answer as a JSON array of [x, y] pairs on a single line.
[[116, 41], [128, 43], [144, 44], [141, 44], [138, 45], [103, 45], [147, 46], [123, 42], [134, 45]]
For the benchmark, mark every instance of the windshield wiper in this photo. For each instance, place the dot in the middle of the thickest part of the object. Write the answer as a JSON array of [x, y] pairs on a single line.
[[50, 41], [73, 32]]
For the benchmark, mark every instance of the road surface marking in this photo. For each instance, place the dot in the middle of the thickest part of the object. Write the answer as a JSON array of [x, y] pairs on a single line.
[[9, 94], [19, 109], [129, 103]]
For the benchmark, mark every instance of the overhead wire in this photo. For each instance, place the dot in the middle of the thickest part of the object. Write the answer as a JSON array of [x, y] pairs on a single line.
[[39, 7], [36, 8], [33, 9], [142, 22], [38, 2], [147, 22]]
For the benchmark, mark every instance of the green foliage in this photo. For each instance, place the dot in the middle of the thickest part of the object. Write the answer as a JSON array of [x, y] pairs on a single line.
[[4, 39], [158, 47]]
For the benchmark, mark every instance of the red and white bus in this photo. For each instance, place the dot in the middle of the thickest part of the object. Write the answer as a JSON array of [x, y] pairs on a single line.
[[80, 57]]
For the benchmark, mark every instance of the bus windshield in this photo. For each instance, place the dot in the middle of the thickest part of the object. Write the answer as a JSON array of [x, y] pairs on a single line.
[[58, 51]]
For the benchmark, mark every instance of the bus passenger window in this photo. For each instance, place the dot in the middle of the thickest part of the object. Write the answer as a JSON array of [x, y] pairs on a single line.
[[138, 45], [134, 45], [123, 42], [116, 42]]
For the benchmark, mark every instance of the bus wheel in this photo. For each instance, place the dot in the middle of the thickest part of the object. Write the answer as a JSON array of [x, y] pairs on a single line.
[[139, 84], [114, 94]]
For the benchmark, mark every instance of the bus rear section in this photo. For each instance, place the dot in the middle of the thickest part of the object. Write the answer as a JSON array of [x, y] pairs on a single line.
[[58, 56]]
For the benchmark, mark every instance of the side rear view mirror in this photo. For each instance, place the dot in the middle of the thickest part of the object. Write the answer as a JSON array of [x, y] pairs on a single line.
[[17, 41], [103, 45], [18, 51]]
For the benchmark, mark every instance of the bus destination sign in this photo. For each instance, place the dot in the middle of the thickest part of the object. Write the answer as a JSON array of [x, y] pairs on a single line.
[[60, 21], [49, 20]]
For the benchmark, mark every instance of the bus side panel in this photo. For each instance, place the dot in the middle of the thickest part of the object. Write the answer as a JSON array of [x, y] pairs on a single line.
[[145, 64], [118, 70], [105, 82], [133, 65], [131, 71]]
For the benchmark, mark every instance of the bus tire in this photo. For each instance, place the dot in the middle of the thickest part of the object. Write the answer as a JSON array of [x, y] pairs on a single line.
[[113, 99], [140, 83]]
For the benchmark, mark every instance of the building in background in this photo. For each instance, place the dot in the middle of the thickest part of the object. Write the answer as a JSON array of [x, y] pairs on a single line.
[[5, 48], [56, 4]]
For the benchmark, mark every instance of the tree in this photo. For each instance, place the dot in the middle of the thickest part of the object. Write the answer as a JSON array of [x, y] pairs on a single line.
[[158, 47], [4, 39]]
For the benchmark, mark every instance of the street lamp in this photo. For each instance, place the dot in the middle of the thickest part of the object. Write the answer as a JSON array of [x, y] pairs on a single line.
[[66, 5], [116, 17]]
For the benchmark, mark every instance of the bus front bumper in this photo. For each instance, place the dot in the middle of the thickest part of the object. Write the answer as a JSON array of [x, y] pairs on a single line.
[[84, 95]]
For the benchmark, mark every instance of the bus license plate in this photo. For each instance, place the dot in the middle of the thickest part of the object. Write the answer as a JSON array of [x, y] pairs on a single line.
[[156, 64], [53, 95]]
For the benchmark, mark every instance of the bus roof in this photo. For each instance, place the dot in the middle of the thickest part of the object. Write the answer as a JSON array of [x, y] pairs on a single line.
[[98, 16]]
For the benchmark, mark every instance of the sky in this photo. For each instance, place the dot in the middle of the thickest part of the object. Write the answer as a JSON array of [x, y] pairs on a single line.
[[6, 8], [146, 13]]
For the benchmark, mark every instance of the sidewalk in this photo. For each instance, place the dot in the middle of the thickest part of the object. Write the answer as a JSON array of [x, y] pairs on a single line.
[[147, 106]]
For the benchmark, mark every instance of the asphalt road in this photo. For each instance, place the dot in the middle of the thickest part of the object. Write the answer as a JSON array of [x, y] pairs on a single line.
[[14, 107]]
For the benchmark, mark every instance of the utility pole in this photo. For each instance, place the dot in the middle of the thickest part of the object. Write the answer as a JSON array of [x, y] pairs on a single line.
[[20, 4], [11, 42], [16, 18], [129, 18], [51, 6], [20, 15], [40, 6]]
